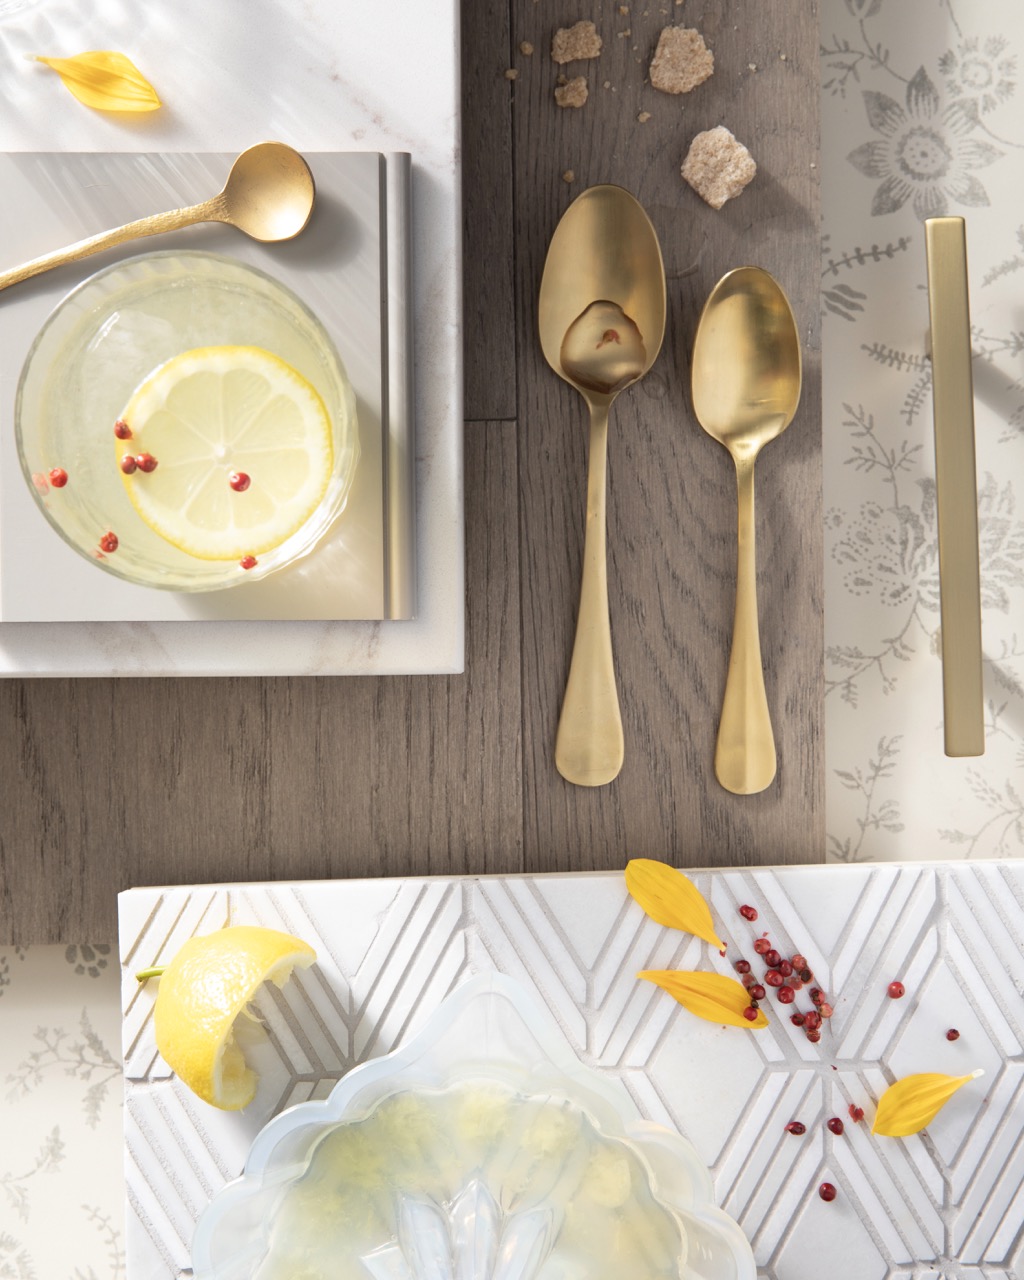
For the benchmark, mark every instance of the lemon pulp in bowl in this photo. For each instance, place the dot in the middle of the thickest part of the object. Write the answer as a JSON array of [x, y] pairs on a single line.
[[122, 331], [472, 1172]]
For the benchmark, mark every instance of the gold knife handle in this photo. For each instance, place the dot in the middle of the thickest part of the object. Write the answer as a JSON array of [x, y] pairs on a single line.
[[956, 487], [154, 224]]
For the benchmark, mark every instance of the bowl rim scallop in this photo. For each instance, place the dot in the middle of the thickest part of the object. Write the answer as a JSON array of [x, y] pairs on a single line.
[[660, 1150]]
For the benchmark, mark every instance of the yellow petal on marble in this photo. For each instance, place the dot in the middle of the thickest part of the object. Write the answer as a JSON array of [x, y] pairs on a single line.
[[670, 898], [913, 1102], [711, 996], [105, 80]]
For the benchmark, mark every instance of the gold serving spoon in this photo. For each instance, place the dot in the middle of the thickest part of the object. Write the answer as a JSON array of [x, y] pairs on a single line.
[[602, 321], [268, 195], [746, 388]]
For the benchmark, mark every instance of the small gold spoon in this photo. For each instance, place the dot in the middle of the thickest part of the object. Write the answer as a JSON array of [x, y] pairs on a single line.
[[746, 388], [602, 321], [268, 195]]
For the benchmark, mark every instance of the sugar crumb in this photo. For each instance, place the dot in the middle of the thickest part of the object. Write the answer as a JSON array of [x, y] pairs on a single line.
[[526, 48], [573, 93], [511, 73], [575, 43], [718, 166], [681, 61]]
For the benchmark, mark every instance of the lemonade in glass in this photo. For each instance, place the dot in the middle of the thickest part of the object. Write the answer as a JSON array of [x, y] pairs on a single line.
[[202, 418]]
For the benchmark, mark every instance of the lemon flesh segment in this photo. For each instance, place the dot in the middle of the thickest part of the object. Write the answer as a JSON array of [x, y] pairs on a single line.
[[212, 411], [202, 992]]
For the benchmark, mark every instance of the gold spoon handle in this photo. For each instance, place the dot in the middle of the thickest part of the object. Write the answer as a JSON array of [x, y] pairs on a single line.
[[208, 211], [589, 745], [745, 752]]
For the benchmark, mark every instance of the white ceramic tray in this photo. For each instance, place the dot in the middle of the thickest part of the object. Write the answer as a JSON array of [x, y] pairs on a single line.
[[948, 1202], [349, 268]]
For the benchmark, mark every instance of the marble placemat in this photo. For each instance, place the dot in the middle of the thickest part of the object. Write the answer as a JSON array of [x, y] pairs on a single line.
[[321, 77], [947, 1203]]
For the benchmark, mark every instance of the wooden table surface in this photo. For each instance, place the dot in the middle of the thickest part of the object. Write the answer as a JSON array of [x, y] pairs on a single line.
[[111, 783]]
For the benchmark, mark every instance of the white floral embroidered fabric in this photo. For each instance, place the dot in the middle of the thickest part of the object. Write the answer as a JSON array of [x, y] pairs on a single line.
[[920, 117]]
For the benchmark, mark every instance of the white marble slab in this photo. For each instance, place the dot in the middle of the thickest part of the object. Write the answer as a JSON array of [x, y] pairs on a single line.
[[322, 77], [947, 1203]]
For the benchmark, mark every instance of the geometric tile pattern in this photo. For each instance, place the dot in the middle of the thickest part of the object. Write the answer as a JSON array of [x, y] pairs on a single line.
[[946, 1204]]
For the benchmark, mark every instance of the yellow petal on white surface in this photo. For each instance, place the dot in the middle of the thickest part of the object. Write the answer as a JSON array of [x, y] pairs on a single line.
[[913, 1102], [710, 996], [105, 80], [670, 898]]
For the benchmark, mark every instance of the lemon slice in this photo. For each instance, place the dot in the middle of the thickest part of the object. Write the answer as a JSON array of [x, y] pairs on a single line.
[[242, 449], [203, 990]]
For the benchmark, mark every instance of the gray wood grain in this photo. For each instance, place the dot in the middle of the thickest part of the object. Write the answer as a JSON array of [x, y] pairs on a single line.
[[487, 284], [672, 490]]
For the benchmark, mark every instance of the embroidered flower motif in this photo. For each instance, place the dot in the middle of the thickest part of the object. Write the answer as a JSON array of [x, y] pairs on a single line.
[[984, 73], [887, 553], [924, 153], [85, 959]]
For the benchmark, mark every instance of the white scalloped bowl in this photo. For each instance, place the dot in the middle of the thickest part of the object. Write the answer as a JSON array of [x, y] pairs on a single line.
[[480, 1150]]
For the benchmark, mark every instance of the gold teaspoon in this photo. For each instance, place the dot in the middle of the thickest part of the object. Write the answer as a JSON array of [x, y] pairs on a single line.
[[746, 379], [268, 194], [602, 320]]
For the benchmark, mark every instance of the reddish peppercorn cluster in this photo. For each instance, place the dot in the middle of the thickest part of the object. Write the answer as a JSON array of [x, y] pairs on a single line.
[[786, 976], [141, 462]]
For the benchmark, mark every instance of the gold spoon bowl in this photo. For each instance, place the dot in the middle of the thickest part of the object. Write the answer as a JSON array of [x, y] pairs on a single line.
[[602, 321], [746, 378]]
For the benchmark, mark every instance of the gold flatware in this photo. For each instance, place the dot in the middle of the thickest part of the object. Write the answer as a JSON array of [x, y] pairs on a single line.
[[268, 194], [956, 487], [602, 320], [746, 378]]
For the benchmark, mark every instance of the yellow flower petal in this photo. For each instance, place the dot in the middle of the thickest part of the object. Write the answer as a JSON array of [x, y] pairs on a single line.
[[711, 996], [105, 80], [913, 1102], [669, 898]]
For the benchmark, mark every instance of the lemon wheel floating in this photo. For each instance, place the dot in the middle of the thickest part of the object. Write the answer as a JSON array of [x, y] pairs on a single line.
[[202, 992], [228, 451]]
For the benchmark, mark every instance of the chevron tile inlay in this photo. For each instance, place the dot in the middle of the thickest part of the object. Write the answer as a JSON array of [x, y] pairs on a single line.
[[946, 1204]]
